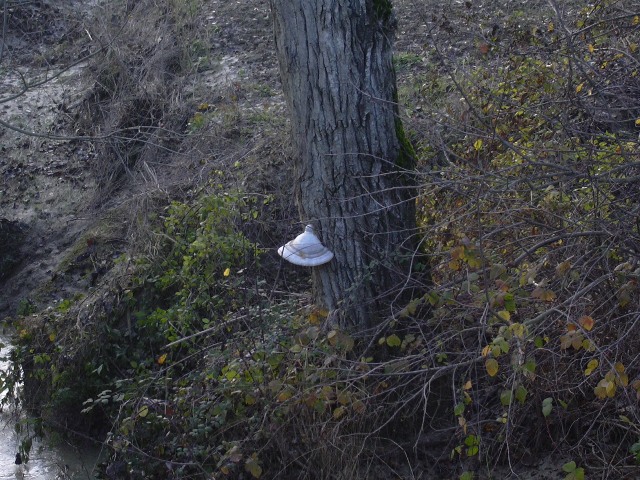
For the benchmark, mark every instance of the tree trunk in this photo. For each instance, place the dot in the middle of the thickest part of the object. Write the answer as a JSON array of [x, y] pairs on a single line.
[[353, 165]]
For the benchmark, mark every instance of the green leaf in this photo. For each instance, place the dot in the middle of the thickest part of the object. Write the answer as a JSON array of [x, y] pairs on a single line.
[[471, 441], [547, 406], [569, 467], [530, 366], [521, 393], [458, 409], [505, 397], [509, 302], [394, 341]]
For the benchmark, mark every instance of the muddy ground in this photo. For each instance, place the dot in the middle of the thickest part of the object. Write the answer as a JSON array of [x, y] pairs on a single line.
[[50, 195]]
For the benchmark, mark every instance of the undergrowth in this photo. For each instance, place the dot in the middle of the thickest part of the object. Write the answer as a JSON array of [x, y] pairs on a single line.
[[525, 343]]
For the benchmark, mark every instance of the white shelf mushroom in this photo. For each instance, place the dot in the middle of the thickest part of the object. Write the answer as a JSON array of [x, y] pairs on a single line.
[[306, 250]]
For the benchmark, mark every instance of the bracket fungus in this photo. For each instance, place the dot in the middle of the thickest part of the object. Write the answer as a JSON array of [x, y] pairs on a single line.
[[306, 250]]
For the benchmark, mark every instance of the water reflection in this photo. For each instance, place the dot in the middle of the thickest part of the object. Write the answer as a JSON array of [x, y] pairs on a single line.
[[47, 461]]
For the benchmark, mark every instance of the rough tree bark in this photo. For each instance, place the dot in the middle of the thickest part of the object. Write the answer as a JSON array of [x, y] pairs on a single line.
[[353, 164]]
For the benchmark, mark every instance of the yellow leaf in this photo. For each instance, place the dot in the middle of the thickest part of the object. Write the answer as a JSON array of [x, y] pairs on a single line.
[[467, 386], [492, 366], [344, 398], [636, 20], [339, 412], [486, 350], [591, 366], [317, 316], [52, 337], [619, 367], [610, 388], [600, 392], [623, 380], [518, 329], [227, 272], [637, 122], [477, 145], [504, 315], [143, 411], [162, 358], [253, 467], [579, 87], [551, 27], [586, 322], [588, 346], [591, 48]]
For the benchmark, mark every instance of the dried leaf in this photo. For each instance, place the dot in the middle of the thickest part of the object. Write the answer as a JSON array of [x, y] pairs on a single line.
[[563, 268], [284, 396], [586, 322], [359, 407]]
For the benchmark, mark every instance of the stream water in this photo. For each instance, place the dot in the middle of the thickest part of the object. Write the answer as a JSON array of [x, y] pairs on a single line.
[[47, 460]]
